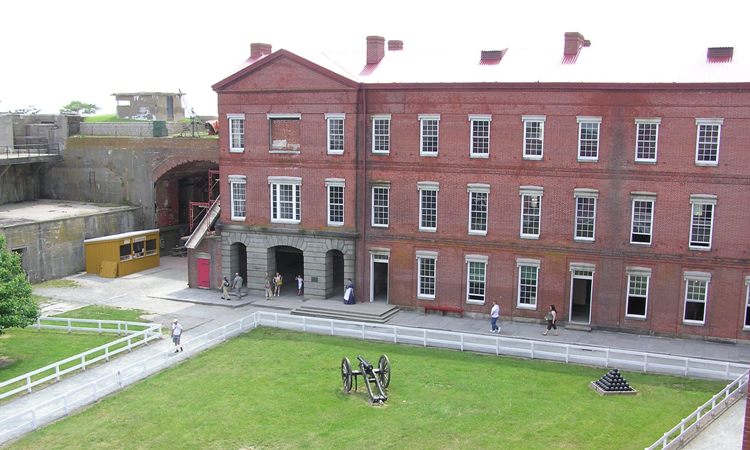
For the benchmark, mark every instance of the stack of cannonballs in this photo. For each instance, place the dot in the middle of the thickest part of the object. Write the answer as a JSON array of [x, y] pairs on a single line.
[[612, 383]]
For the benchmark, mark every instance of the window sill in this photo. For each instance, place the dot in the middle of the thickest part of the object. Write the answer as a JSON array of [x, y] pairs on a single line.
[[645, 161], [284, 152], [236, 150], [479, 155], [584, 240], [428, 230], [526, 307], [336, 152], [293, 222], [707, 163], [638, 318], [379, 226], [425, 297], [477, 302], [588, 160], [337, 224], [693, 323], [381, 153], [477, 233], [532, 158], [428, 155], [699, 249], [529, 236], [642, 244], [238, 219]]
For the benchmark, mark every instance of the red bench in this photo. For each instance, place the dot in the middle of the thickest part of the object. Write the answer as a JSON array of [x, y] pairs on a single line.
[[444, 309]]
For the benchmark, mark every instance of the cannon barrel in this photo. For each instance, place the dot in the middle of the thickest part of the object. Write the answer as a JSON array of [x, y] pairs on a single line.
[[365, 364]]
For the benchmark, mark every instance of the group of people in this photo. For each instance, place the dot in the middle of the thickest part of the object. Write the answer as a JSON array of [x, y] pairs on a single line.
[[550, 317], [272, 286], [235, 285]]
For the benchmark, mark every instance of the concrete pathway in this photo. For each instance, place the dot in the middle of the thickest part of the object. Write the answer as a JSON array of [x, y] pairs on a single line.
[[163, 292]]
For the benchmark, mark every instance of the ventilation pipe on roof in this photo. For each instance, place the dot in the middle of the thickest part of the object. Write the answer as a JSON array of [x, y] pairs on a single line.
[[375, 49], [491, 57], [395, 45], [574, 41], [257, 50]]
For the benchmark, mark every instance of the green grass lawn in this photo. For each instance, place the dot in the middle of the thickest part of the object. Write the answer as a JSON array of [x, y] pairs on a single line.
[[24, 350], [278, 389]]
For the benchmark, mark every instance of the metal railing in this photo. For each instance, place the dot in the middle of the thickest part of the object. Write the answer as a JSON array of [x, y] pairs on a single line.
[[30, 151], [54, 371], [703, 415], [60, 406]]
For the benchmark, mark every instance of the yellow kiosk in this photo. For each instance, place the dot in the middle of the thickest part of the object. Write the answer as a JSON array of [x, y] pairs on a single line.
[[122, 254]]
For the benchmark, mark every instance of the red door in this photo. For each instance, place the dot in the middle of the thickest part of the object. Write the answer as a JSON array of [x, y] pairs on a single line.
[[204, 274]]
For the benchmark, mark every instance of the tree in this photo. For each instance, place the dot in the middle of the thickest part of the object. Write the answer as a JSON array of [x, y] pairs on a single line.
[[76, 107], [17, 307]]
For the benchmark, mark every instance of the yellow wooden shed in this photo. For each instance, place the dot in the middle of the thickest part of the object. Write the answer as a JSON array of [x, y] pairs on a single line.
[[122, 254]]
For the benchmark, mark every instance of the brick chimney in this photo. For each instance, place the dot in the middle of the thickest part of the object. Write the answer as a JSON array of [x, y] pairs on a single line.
[[257, 50], [395, 45], [491, 57], [574, 41], [375, 49], [719, 54]]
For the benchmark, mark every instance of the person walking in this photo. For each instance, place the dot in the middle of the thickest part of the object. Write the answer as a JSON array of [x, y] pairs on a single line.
[[176, 335], [237, 285], [225, 289], [494, 315], [349, 292], [278, 280], [300, 282], [267, 287], [551, 318]]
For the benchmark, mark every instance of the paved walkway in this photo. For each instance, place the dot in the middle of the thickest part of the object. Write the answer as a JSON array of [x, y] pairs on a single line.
[[163, 292]]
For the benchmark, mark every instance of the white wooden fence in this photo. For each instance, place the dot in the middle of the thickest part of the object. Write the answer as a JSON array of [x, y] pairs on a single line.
[[59, 406], [50, 372]]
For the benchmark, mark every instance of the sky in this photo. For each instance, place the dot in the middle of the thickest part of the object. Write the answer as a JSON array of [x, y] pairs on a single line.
[[54, 52]]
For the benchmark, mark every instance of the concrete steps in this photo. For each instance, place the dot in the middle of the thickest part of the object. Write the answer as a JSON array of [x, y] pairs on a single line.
[[363, 312]]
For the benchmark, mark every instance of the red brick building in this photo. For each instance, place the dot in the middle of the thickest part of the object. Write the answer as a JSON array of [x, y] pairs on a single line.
[[574, 177]]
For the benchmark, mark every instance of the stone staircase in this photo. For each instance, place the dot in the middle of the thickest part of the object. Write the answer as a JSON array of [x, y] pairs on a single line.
[[374, 312]]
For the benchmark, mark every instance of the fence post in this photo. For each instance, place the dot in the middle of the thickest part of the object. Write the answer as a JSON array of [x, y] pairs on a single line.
[[304, 324], [497, 346], [395, 335], [28, 383], [363, 331], [83, 362], [532, 349], [606, 360], [424, 338], [462, 341], [70, 326], [57, 372], [106, 353]]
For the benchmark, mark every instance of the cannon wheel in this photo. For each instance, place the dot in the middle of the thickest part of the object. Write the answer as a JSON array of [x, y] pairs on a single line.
[[346, 374], [384, 371]]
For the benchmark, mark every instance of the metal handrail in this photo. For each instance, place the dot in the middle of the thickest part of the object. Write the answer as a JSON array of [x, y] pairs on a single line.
[[30, 150]]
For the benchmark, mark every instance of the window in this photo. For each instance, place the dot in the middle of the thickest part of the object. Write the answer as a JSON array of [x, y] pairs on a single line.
[[285, 199], [642, 218], [150, 247], [637, 295], [429, 126], [335, 188], [335, 132], [126, 250], [528, 282], [237, 185], [478, 195], [426, 274], [696, 297], [476, 278], [588, 138], [747, 303], [707, 142], [533, 136], [646, 139], [701, 221], [139, 247], [585, 225], [284, 132], [480, 136], [380, 202], [428, 192], [236, 132], [531, 211], [381, 133]]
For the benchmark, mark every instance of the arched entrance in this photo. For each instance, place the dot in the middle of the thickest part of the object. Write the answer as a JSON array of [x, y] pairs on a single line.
[[289, 262], [334, 285], [238, 261]]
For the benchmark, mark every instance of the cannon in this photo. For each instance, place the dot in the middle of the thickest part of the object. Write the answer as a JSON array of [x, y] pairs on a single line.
[[377, 378]]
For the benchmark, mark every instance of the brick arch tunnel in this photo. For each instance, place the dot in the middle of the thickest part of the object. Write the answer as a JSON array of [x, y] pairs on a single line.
[[176, 185]]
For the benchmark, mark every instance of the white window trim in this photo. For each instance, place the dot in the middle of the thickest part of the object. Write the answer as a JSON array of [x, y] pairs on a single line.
[[696, 276], [372, 205], [236, 179], [637, 271], [428, 186], [527, 263], [642, 196], [698, 123], [334, 182], [422, 118], [583, 267], [584, 193], [423, 254], [747, 302], [589, 119], [481, 188], [294, 181], [476, 259], [543, 120], [373, 118], [231, 117], [336, 116], [291, 116], [702, 199], [647, 121], [531, 190], [479, 118]]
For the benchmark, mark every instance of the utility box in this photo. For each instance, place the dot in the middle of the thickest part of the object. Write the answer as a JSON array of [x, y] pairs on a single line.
[[160, 128], [122, 254]]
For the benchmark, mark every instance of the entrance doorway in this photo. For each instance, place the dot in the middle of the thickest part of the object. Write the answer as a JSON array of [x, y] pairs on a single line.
[[334, 274], [289, 262], [238, 261], [580, 296], [379, 277], [204, 273]]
